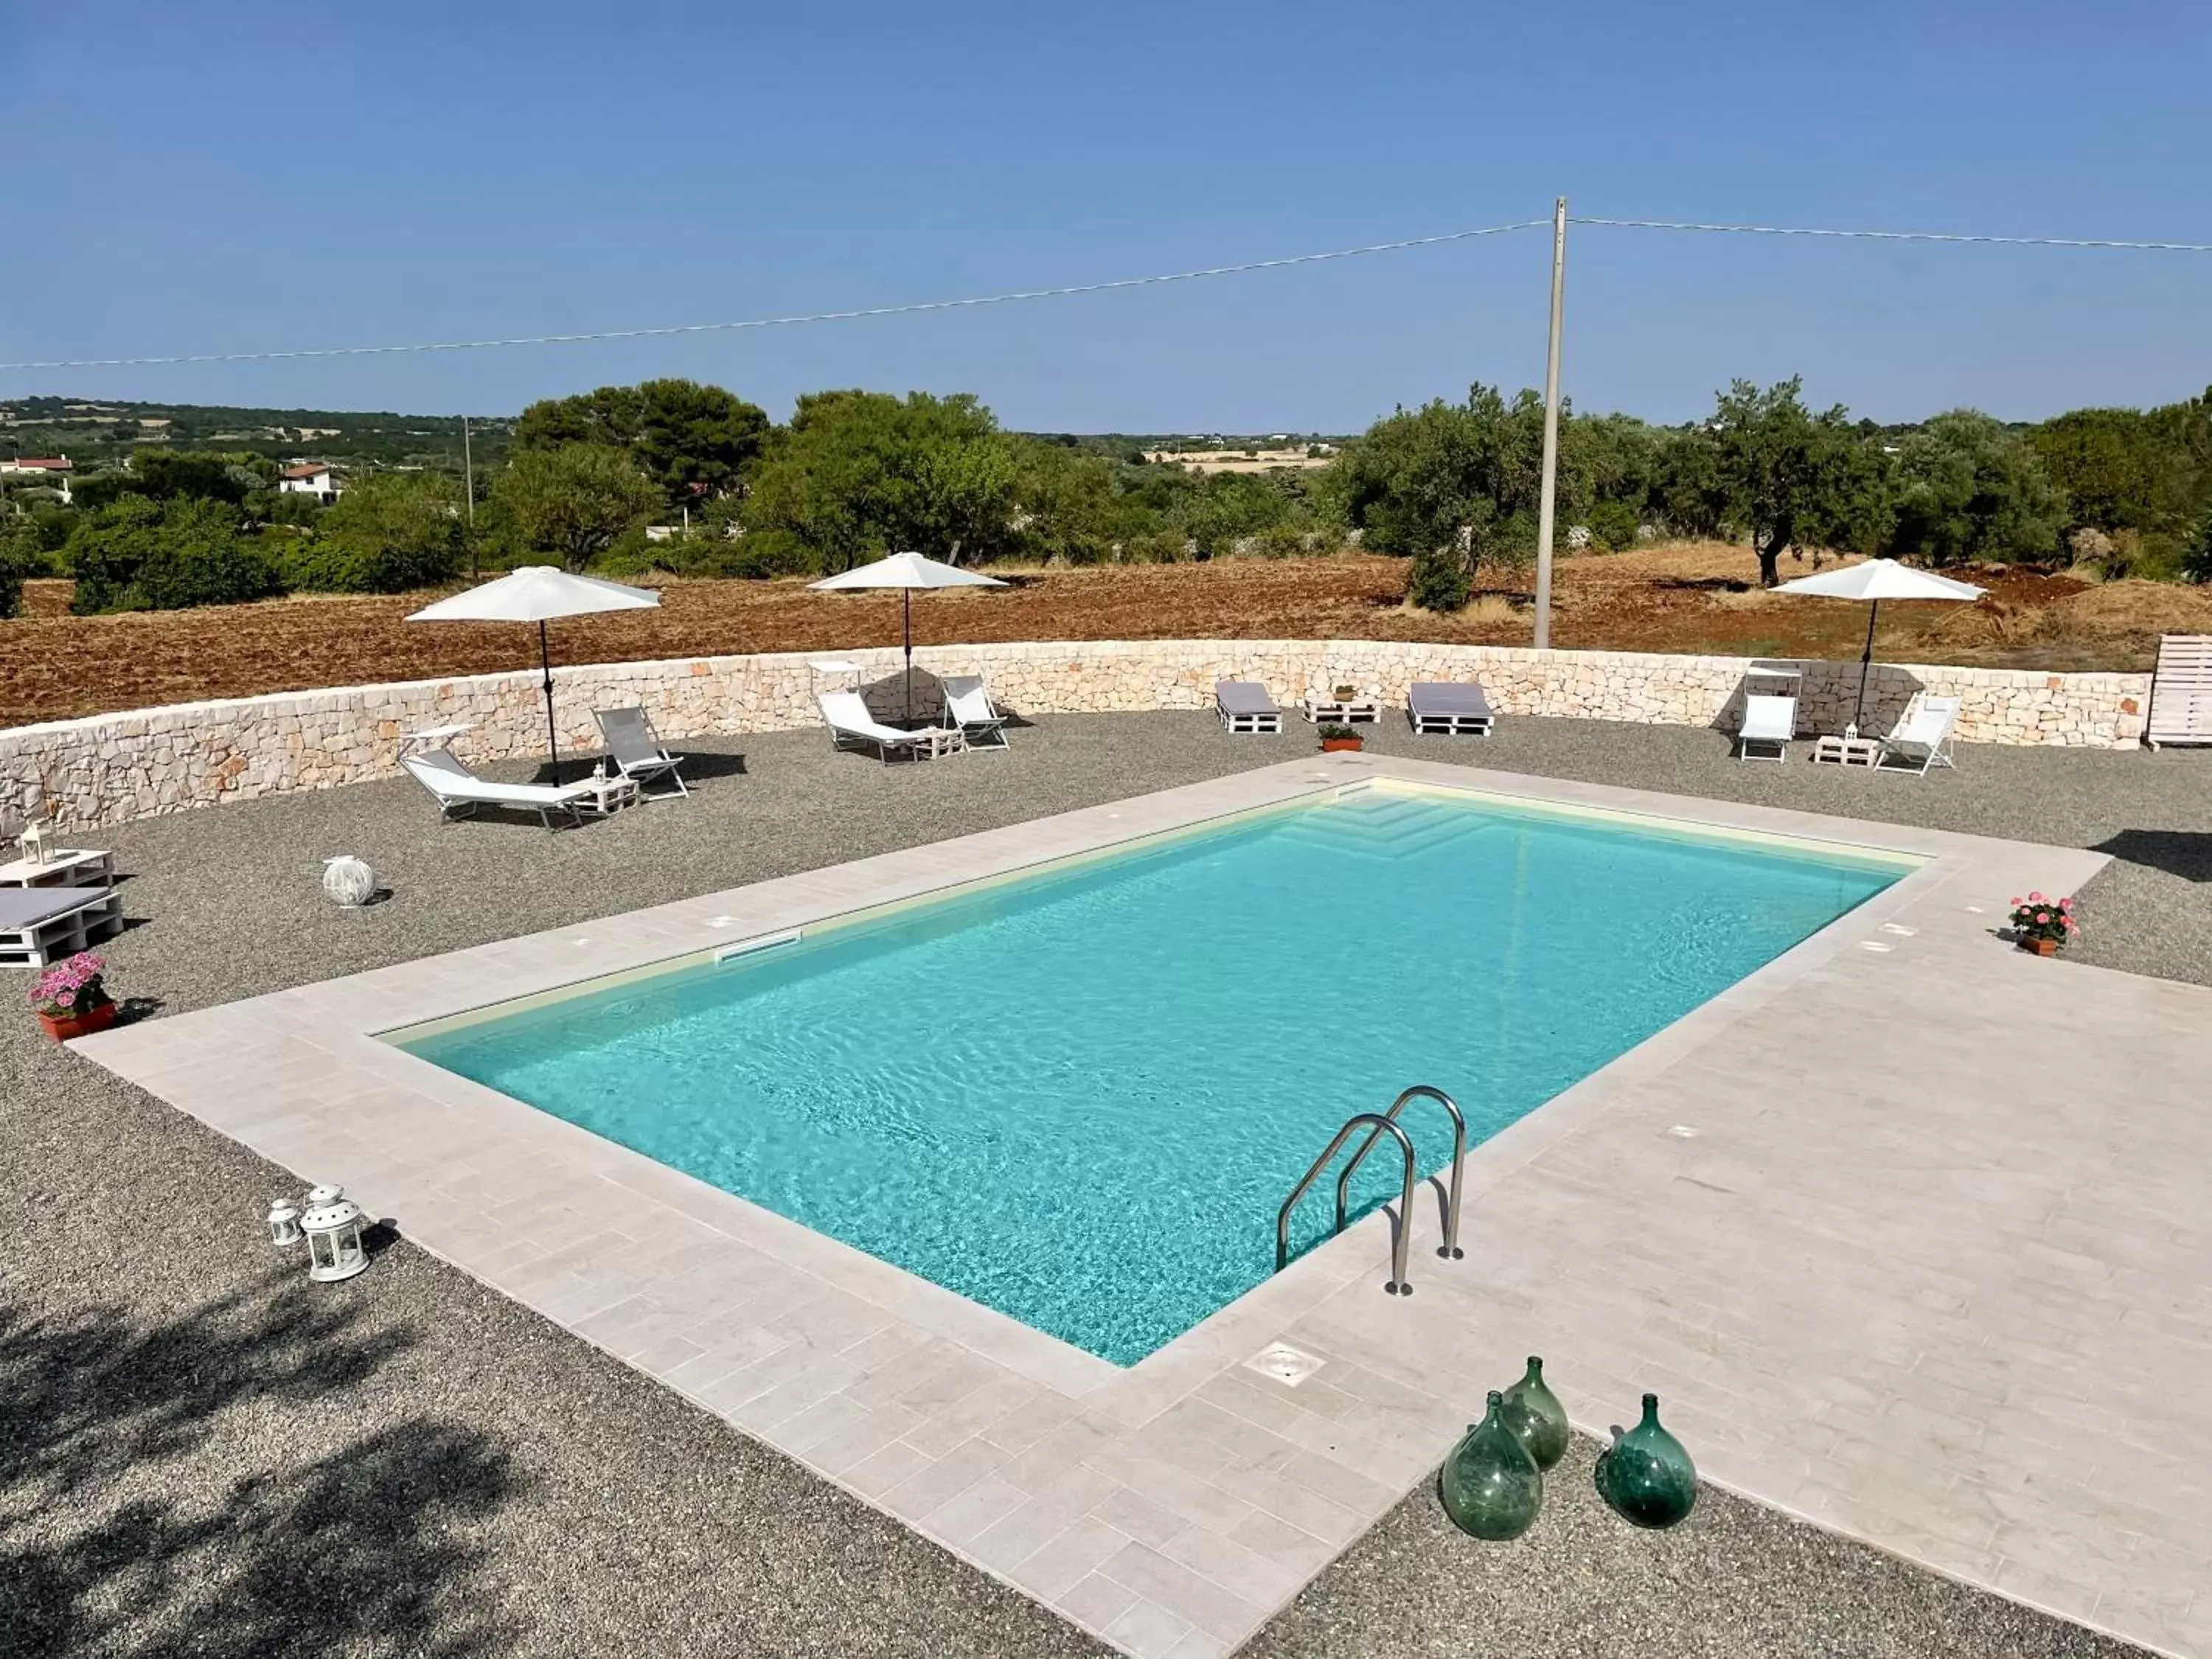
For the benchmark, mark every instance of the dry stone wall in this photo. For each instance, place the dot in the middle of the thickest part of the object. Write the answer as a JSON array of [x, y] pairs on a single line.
[[111, 768]]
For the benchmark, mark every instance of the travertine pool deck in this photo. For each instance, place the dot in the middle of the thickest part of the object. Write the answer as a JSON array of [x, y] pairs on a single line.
[[1929, 1266]]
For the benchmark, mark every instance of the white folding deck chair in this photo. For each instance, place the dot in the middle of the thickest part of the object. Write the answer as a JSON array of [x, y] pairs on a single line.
[[460, 791], [1922, 737], [852, 726], [638, 750], [1245, 707], [968, 705], [1770, 722]]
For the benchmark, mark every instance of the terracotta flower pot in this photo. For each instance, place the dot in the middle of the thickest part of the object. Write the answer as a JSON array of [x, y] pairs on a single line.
[[62, 1027], [2041, 947], [1332, 745]]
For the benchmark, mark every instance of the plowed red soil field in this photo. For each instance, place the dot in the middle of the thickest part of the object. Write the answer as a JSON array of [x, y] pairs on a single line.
[[1691, 599]]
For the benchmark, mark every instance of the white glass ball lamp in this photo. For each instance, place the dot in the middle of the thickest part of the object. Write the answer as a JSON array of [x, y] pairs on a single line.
[[348, 881]]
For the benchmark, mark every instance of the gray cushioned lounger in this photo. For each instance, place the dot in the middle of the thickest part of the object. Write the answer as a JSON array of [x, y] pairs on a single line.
[[1449, 706]]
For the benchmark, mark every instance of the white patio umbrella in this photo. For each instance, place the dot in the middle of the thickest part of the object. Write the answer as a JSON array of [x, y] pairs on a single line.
[[1872, 581], [908, 571], [539, 593]]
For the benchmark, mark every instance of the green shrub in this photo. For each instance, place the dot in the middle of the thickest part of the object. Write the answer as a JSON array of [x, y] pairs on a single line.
[[1439, 580], [2196, 557], [143, 555], [391, 532], [1157, 547], [1276, 541], [1612, 525], [20, 556]]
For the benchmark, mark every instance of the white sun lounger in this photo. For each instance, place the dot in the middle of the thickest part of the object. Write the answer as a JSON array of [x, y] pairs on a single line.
[[1244, 706], [1921, 739], [968, 705], [460, 791], [41, 925], [1449, 708], [1770, 722], [852, 726], [638, 750]]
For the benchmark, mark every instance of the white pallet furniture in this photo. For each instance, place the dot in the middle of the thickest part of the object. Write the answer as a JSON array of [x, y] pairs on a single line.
[[1351, 711], [1847, 752], [64, 867], [41, 925], [2181, 691], [609, 795]]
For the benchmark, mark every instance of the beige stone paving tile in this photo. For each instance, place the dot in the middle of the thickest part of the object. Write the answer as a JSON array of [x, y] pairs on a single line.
[[1227, 1562], [1064, 1559], [1218, 1503], [866, 1434], [879, 1472], [1095, 1601], [902, 1373], [1277, 1541], [975, 1509], [1130, 1511], [1199, 1644], [1148, 1630], [827, 1421], [975, 1412], [1213, 1607], [1288, 1501], [1038, 1519], [1032, 1421], [941, 1478], [1078, 1441], [663, 1354]]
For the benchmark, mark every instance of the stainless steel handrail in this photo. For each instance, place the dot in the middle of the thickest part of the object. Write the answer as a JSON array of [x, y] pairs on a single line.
[[1450, 1249], [1397, 1284]]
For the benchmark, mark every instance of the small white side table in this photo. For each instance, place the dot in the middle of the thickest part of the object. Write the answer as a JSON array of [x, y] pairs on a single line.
[[1848, 752], [1355, 711], [64, 867], [609, 795]]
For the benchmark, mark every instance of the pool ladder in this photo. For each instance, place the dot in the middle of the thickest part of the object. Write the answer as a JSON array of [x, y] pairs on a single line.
[[1378, 1124]]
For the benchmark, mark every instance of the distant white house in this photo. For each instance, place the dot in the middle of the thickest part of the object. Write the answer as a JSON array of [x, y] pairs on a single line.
[[311, 479], [54, 470]]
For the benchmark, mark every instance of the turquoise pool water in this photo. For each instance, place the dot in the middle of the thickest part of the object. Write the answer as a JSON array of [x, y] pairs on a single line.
[[1079, 1097]]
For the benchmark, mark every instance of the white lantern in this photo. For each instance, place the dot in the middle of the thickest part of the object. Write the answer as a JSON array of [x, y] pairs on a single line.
[[333, 1232], [35, 841], [283, 1223], [348, 881]]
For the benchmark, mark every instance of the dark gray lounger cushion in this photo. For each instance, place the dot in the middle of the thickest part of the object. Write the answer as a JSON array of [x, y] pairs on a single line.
[[1244, 697], [1446, 697], [27, 906]]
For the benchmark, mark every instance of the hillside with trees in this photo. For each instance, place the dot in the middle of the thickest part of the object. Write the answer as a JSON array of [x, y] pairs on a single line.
[[690, 479]]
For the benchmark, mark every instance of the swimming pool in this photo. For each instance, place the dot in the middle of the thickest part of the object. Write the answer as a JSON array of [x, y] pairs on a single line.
[[1077, 1096]]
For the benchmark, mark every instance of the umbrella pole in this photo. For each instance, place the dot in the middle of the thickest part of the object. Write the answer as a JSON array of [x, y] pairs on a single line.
[[1866, 661], [552, 732], [906, 636]]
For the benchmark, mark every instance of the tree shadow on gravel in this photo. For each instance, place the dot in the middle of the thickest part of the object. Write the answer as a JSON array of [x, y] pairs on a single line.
[[139, 1514], [2184, 853]]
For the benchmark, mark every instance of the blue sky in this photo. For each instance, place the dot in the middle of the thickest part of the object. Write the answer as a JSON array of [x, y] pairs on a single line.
[[248, 176]]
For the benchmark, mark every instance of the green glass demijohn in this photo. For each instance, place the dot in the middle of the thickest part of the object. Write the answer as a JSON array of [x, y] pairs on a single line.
[[1534, 1414], [1645, 1476], [1491, 1486]]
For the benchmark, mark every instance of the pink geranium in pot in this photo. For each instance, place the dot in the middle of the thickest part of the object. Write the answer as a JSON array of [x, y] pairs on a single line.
[[70, 999]]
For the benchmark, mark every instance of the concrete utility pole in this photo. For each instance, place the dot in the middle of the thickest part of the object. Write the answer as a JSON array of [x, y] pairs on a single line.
[[468, 477], [1547, 504]]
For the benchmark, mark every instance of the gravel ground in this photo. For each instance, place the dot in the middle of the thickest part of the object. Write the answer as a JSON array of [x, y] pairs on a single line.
[[197, 1455]]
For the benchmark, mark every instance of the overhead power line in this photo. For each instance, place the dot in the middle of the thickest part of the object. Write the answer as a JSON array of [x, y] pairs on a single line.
[[1900, 235], [786, 322], [1069, 290]]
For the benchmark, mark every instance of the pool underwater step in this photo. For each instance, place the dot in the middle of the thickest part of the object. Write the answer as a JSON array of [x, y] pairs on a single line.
[[1383, 827]]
